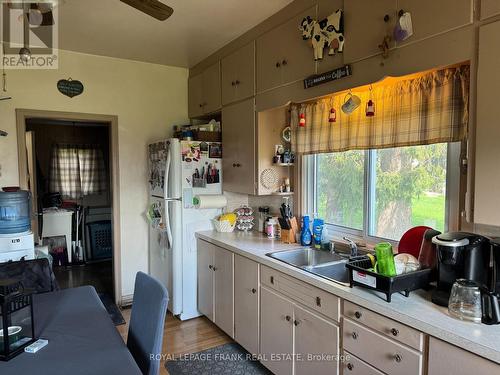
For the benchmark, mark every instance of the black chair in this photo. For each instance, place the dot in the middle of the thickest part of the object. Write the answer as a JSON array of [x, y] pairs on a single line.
[[36, 275], [147, 320]]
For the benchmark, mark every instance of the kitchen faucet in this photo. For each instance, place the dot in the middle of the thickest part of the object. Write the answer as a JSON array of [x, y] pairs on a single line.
[[353, 246]]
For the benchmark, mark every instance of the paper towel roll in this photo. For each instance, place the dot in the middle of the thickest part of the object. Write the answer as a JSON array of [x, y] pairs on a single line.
[[209, 201]]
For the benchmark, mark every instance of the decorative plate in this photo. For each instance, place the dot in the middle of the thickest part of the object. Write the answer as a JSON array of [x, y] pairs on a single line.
[[269, 179]]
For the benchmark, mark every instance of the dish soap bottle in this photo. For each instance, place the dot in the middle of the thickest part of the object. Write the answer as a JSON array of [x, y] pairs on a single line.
[[317, 232], [305, 235]]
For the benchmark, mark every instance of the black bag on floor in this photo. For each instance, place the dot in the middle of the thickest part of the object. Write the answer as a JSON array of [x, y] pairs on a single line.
[[36, 275]]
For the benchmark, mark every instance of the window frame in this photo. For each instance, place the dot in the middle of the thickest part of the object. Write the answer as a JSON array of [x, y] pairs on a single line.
[[452, 198]]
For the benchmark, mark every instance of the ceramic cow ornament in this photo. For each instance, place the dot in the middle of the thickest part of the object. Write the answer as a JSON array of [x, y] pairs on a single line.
[[326, 33]]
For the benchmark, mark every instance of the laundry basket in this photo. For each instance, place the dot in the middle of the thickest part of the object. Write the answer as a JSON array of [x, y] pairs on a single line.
[[101, 245]]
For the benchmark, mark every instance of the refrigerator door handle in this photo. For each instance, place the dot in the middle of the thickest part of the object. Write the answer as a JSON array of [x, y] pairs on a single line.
[[170, 243], [167, 171]]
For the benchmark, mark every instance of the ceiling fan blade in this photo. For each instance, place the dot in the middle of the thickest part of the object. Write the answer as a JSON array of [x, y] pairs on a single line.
[[154, 8]]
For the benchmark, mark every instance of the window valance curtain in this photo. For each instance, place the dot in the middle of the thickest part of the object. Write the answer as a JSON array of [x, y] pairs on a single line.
[[77, 170], [430, 108]]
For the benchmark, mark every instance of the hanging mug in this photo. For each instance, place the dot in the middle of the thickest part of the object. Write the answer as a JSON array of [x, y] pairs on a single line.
[[350, 104]]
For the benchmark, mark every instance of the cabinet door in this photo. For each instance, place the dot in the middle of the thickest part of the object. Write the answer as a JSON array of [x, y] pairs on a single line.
[[316, 344], [205, 256], [195, 88], [246, 303], [487, 181], [282, 56], [224, 297], [211, 88], [448, 15], [238, 74], [364, 26], [448, 359], [238, 139], [276, 332], [489, 8]]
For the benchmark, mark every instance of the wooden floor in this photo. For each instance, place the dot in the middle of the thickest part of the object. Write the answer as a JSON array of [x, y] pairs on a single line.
[[182, 337]]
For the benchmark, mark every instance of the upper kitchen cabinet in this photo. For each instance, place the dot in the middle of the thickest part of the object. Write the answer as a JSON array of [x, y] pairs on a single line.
[[195, 89], [238, 74], [283, 56], [238, 142], [487, 179], [364, 26], [431, 17], [205, 92], [489, 8]]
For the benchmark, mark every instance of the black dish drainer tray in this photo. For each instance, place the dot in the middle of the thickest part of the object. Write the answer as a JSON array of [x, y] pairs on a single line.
[[359, 275]]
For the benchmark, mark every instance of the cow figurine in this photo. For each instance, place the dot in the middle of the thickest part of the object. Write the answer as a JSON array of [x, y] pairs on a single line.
[[326, 33]]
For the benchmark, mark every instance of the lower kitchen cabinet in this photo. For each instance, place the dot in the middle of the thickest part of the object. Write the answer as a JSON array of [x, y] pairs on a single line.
[[316, 344], [215, 286], [246, 303], [448, 359], [276, 332], [294, 337], [206, 286]]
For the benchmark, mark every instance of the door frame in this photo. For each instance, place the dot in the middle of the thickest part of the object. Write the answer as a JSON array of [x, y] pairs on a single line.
[[24, 114]]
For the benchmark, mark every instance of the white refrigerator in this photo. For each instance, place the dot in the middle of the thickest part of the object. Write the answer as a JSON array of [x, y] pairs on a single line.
[[179, 170]]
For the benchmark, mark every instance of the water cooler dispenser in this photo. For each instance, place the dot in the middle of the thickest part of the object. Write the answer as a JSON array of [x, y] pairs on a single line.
[[16, 238]]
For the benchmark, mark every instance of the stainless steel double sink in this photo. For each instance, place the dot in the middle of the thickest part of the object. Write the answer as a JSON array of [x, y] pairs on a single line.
[[330, 266]]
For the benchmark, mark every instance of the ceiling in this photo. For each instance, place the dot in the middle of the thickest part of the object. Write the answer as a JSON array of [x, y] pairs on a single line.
[[195, 30]]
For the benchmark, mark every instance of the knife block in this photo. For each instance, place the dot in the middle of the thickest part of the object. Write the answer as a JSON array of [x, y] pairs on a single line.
[[288, 236]]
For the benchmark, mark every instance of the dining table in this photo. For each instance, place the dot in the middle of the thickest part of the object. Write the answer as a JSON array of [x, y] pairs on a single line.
[[82, 338]]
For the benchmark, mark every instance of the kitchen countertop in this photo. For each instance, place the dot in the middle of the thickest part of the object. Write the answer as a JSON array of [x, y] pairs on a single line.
[[416, 311]]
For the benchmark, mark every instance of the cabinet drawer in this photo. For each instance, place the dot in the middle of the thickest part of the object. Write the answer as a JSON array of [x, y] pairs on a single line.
[[355, 366], [379, 351], [385, 326], [308, 295]]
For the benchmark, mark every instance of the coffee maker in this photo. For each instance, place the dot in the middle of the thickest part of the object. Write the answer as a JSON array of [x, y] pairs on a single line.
[[490, 295], [460, 255]]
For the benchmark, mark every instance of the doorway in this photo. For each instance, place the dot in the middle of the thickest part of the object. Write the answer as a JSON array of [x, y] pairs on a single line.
[[70, 166]]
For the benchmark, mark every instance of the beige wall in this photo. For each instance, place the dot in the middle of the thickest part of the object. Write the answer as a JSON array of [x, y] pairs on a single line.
[[148, 99]]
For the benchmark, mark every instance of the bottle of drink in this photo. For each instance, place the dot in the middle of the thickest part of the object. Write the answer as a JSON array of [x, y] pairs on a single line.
[[305, 234]]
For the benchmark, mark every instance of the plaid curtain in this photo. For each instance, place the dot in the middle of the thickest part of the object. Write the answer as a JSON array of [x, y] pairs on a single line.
[[422, 109], [77, 171]]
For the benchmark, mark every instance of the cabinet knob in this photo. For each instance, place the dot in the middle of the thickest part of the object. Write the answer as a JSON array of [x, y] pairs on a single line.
[[350, 366], [233, 83], [234, 165], [318, 301], [354, 335], [238, 165], [201, 105], [254, 290], [214, 268], [210, 266], [296, 323], [358, 314], [278, 64], [395, 332], [398, 358], [237, 82], [288, 318], [272, 279], [284, 62]]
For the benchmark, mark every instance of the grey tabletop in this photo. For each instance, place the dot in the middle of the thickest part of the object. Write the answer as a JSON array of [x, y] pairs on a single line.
[[82, 338]]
